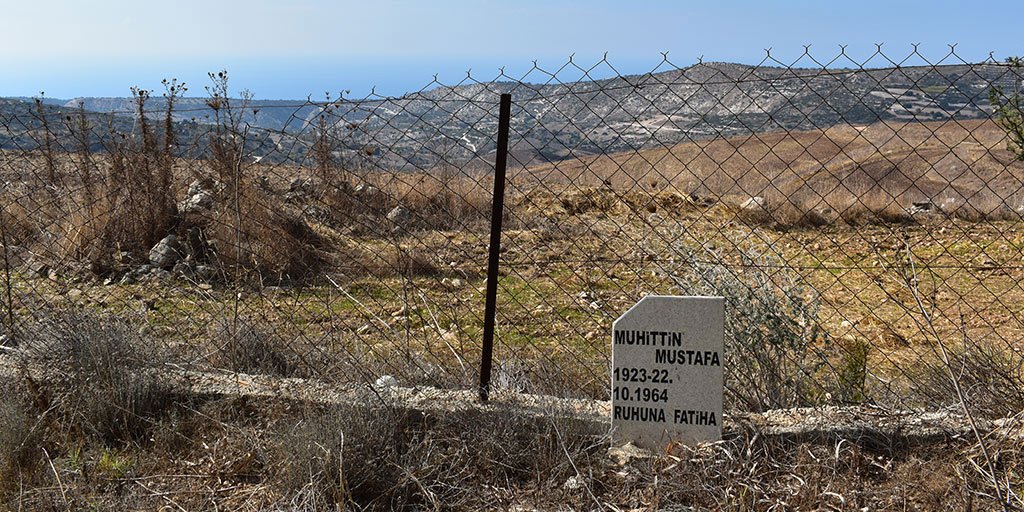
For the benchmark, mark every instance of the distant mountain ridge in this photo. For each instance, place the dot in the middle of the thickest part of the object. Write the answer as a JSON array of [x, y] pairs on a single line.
[[563, 120]]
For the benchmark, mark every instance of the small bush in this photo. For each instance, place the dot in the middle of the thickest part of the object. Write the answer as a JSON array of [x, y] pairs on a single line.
[[385, 459], [992, 380], [772, 334], [259, 240], [103, 383], [409, 262], [133, 206], [18, 225], [19, 440], [247, 348], [852, 372]]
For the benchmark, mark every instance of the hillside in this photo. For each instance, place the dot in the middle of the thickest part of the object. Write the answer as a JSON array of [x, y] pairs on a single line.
[[554, 121]]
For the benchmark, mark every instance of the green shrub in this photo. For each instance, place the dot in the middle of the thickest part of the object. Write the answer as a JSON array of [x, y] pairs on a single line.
[[773, 340]]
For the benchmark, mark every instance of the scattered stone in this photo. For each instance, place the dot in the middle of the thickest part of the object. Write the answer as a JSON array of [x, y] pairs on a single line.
[[201, 202], [123, 257], [921, 208], [298, 185], [157, 275], [316, 212], [701, 201], [204, 272], [386, 381], [38, 268], [365, 189], [165, 253], [755, 204], [194, 188], [198, 199], [627, 452], [452, 283], [399, 216], [573, 484], [74, 293], [183, 268], [205, 287], [263, 182], [369, 195]]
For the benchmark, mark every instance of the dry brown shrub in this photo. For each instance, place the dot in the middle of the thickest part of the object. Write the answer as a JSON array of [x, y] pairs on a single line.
[[991, 378], [383, 458], [99, 374], [260, 239], [17, 223], [245, 347], [400, 261], [20, 440], [443, 198]]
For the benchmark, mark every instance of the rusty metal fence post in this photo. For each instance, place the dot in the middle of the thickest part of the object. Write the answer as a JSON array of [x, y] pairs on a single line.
[[497, 210]]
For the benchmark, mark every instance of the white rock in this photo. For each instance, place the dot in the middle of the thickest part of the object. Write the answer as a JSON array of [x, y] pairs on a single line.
[[386, 381], [399, 215], [756, 203], [574, 483], [201, 201]]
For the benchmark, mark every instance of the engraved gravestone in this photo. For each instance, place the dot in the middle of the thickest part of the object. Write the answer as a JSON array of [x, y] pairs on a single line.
[[667, 381]]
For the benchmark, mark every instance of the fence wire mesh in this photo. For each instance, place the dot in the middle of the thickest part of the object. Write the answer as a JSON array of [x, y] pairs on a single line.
[[862, 218]]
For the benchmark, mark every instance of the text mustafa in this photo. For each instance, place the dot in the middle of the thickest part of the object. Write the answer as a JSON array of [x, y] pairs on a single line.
[[630, 382]]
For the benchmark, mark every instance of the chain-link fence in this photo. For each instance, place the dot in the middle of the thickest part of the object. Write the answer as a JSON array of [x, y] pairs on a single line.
[[862, 217]]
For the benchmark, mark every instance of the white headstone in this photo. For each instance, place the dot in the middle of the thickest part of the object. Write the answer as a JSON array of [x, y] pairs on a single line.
[[667, 381]]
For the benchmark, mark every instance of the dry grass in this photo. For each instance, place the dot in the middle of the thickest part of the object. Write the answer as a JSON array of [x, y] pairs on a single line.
[[992, 380], [756, 473], [20, 440], [247, 347], [101, 385], [386, 459], [265, 455], [259, 240], [442, 199], [844, 173]]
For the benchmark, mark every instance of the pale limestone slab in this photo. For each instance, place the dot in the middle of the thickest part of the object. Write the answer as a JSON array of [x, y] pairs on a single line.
[[667, 371]]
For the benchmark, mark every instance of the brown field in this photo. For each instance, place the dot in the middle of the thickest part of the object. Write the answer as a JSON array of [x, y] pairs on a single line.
[[849, 173]]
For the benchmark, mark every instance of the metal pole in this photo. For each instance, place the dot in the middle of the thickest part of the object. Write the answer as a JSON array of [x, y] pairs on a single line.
[[497, 209]]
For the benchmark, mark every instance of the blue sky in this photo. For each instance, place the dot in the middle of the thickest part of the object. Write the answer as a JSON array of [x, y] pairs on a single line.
[[291, 49]]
